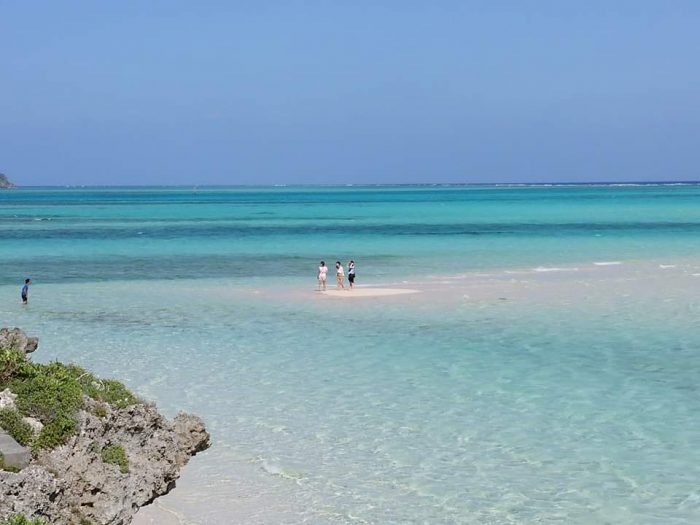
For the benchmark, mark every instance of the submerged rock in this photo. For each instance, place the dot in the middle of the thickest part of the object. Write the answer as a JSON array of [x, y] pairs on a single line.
[[120, 459]]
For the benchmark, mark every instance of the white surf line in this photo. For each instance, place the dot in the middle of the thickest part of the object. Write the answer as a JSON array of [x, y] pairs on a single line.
[[666, 266], [542, 269], [607, 263], [180, 517]]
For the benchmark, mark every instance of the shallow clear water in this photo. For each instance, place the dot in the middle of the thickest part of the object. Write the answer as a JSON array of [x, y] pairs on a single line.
[[574, 400]]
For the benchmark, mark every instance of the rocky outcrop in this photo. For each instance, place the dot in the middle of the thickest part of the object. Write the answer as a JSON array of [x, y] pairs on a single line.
[[156, 450], [5, 183], [16, 339], [34, 492], [78, 481]]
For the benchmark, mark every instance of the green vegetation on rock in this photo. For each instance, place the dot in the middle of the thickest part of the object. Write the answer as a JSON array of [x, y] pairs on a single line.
[[46, 393], [105, 390], [116, 455], [55, 432], [11, 422], [11, 360], [100, 410], [53, 394]]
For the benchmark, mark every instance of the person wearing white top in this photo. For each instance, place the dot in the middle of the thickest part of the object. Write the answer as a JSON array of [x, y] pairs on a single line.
[[340, 275], [322, 273]]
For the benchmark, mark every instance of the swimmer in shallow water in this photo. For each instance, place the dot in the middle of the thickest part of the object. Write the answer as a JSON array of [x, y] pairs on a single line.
[[25, 291]]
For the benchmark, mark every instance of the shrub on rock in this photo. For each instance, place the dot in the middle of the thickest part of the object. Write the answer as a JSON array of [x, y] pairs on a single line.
[[12, 423], [116, 455]]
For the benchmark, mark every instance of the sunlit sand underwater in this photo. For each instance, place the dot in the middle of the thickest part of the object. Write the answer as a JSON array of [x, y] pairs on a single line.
[[548, 374]]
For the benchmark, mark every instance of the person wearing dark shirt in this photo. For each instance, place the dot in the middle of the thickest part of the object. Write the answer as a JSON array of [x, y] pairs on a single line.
[[351, 274], [25, 291]]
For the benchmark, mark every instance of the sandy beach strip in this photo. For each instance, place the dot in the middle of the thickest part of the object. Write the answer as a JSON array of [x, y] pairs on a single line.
[[368, 292]]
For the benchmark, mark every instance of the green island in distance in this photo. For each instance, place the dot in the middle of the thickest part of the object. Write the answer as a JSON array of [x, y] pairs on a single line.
[[5, 182]]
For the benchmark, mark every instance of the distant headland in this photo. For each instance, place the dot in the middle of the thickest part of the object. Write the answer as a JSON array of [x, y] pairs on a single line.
[[5, 184]]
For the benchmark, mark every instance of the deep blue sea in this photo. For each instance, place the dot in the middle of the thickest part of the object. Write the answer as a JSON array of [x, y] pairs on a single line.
[[545, 371]]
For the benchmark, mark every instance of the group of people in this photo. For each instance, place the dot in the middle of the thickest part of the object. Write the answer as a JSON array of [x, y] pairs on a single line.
[[339, 275]]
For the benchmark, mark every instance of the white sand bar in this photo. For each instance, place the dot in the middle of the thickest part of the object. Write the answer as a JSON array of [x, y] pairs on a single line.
[[368, 292]]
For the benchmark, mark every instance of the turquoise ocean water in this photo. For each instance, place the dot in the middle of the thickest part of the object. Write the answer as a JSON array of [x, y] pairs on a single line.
[[524, 384]]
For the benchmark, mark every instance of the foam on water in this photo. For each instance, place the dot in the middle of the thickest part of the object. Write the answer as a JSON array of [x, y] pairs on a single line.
[[554, 269]]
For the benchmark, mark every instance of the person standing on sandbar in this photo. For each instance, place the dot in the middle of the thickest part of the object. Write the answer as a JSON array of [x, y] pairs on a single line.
[[340, 275], [351, 274], [322, 274]]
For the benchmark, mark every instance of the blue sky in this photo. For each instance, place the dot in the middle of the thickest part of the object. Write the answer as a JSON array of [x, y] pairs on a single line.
[[135, 92]]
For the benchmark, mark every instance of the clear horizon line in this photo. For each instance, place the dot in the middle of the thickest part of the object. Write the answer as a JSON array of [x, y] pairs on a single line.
[[372, 185]]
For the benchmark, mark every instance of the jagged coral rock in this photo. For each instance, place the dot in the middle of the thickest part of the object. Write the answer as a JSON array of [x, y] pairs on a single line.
[[16, 339], [73, 482]]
